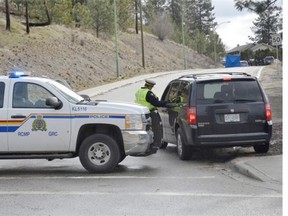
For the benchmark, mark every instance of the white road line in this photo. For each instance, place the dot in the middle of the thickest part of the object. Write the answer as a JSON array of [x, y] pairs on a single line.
[[74, 193], [259, 72], [100, 177]]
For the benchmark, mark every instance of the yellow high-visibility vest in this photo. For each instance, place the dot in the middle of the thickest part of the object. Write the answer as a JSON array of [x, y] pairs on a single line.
[[140, 96]]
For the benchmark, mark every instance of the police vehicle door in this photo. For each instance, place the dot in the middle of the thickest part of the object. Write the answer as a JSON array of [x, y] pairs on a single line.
[[33, 126], [3, 116]]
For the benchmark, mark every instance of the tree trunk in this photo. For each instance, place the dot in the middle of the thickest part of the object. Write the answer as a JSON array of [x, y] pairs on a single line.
[[47, 13], [8, 22], [42, 24], [27, 18]]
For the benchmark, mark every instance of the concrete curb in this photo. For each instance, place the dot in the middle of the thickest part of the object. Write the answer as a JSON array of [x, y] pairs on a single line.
[[245, 169], [258, 168]]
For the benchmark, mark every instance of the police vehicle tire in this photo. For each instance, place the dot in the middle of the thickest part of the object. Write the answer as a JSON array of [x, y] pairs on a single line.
[[121, 158], [183, 150], [261, 148], [99, 153]]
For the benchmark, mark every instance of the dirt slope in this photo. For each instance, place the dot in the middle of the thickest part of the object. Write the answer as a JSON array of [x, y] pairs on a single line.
[[84, 60]]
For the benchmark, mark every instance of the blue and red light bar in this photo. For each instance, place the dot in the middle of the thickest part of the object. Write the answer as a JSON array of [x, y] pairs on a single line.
[[18, 74]]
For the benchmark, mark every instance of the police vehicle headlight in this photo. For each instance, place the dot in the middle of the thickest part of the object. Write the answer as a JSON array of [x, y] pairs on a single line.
[[134, 122]]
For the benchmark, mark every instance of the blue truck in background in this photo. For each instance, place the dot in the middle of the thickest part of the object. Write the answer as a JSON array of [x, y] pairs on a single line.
[[232, 61]]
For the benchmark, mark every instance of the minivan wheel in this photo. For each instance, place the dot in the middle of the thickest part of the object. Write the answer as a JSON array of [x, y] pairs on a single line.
[[184, 151], [163, 145], [264, 148]]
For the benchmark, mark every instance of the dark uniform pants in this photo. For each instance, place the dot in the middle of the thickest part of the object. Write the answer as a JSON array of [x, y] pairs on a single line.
[[156, 128]]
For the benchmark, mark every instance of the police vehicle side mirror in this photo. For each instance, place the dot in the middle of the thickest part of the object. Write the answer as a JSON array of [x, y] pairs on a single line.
[[86, 97], [54, 102]]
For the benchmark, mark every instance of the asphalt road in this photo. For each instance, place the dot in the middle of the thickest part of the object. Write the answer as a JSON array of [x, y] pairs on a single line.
[[159, 184]]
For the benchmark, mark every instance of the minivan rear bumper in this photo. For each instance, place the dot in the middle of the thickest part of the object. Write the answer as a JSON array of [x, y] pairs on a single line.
[[228, 140]]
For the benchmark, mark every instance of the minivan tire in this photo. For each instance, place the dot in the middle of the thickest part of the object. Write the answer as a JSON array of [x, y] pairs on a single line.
[[163, 145], [184, 151], [264, 148]]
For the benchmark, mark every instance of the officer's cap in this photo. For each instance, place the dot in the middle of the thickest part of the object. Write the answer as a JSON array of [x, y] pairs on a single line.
[[150, 82]]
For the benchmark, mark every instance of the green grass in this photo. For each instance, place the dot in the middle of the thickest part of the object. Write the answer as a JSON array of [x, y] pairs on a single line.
[[18, 34]]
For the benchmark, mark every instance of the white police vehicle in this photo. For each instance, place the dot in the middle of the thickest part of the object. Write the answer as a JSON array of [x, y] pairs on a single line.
[[41, 118]]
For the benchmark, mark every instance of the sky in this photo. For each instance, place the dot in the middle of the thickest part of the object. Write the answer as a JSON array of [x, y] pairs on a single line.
[[237, 31]]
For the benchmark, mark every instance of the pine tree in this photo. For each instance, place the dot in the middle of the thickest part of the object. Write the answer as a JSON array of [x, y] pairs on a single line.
[[264, 26], [102, 15], [61, 11], [124, 13], [267, 21], [200, 15], [152, 9], [175, 9]]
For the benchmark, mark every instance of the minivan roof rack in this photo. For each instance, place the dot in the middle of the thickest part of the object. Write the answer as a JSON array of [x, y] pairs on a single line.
[[215, 74]]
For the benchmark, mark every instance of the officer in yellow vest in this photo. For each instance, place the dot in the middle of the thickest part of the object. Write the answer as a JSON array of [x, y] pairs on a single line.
[[146, 97]]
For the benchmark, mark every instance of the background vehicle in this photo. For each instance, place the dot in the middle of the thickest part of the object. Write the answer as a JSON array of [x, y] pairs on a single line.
[[232, 61], [217, 110], [268, 60], [244, 63]]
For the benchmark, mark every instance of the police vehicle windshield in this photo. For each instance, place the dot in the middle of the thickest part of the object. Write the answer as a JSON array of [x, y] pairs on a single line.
[[70, 95]]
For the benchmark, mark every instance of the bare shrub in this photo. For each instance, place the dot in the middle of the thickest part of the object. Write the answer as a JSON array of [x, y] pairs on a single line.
[[162, 26]]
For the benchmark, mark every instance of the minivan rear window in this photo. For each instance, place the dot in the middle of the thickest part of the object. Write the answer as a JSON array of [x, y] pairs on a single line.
[[228, 91]]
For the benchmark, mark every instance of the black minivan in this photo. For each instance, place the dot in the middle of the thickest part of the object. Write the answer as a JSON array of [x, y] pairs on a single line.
[[216, 110]]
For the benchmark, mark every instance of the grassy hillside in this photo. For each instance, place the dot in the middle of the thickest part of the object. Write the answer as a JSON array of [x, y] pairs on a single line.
[[84, 60]]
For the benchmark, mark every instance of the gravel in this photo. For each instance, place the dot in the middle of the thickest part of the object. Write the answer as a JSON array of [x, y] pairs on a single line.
[[271, 80], [276, 141]]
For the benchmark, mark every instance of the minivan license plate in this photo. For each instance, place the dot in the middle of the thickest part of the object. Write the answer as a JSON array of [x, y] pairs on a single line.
[[231, 117]]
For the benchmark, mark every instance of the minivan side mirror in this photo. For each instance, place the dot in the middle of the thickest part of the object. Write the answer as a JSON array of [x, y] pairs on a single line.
[[178, 99], [54, 102]]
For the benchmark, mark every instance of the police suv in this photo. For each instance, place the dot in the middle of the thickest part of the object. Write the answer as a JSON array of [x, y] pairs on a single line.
[[42, 118]]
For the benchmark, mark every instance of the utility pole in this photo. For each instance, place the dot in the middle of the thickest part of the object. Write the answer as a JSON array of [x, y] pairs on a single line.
[[183, 37], [116, 39], [142, 39]]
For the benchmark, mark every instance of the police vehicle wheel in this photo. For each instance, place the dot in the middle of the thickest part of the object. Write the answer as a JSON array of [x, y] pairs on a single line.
[[184, 151], [121, 158], [261, 148], [99, 153]]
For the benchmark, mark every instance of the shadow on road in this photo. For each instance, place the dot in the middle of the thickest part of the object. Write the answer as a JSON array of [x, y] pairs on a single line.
[[218, 155]]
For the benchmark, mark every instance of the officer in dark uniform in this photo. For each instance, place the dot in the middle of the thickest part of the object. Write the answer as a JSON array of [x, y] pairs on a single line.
[[146, 97]]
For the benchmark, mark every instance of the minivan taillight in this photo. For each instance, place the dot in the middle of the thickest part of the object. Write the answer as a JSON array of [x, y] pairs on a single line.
[[268, 112], [191, 115]]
